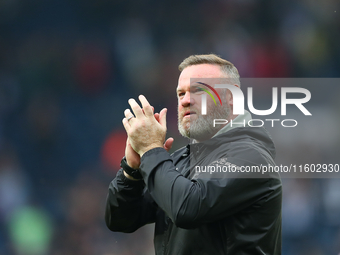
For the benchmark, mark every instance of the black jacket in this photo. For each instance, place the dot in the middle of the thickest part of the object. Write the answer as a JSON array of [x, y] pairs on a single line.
[[203, 213]]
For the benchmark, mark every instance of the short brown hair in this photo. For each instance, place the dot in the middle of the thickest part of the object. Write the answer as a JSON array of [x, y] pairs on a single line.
[[226, 67]]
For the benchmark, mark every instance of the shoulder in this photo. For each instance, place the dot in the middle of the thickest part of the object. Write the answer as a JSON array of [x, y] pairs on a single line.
[[180, 152], [246, 146]]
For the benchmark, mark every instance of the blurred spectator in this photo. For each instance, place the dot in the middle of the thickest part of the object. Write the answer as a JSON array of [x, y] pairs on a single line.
[[114, 150], [31, 231], [14, 185], [137, 53], [92, 68]]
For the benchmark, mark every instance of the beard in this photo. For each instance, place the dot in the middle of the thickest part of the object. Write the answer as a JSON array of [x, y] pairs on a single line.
[[202, 128]]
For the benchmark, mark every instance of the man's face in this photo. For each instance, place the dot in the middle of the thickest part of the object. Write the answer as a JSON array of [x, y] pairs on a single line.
[[191, 123]]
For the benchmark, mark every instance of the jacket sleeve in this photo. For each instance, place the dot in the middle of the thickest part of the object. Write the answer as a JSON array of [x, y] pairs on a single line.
[[190, 203], [128, 205]]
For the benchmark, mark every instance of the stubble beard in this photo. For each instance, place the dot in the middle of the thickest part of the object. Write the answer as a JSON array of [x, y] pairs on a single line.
[[202, 128]]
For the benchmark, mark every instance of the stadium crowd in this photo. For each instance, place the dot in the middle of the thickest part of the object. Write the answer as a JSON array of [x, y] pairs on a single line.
[[67, 69]]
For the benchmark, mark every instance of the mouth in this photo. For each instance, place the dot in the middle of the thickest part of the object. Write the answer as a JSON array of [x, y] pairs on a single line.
[[187, 114]]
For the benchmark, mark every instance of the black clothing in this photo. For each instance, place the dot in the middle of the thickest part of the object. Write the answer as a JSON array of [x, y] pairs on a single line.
[[203, 213]]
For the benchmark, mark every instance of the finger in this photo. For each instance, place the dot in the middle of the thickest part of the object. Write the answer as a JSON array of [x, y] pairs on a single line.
[[126, 125], [136, 108], [153, 109], [129, 116], [157, 116], [128, 113], [168, 143], [146, 106], [162, 117]]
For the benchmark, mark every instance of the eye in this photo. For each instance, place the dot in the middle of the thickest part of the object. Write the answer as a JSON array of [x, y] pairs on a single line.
[[196, 90], [180, 94]]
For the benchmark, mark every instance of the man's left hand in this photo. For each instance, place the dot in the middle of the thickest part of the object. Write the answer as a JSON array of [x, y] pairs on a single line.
[[144, 131]]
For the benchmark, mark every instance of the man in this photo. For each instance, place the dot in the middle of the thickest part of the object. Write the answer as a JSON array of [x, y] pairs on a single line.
[[197, 212]]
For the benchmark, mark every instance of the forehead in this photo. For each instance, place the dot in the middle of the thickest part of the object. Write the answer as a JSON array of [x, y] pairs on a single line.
[[198, 71]]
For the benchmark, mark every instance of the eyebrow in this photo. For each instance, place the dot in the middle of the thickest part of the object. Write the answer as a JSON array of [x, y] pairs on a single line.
[[191, 86]]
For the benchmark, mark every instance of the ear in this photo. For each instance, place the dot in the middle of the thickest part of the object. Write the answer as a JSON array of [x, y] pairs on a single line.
[[230, 96]]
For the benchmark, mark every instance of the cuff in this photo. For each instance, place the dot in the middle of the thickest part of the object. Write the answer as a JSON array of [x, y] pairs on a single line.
[[126, 181], [151, 159]]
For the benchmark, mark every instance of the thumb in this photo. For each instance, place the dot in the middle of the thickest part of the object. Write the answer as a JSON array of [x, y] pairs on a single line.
[[168, 143], [162, 117]]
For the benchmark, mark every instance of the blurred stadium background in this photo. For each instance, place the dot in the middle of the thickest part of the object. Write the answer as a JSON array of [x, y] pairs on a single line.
[[67, 69]]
